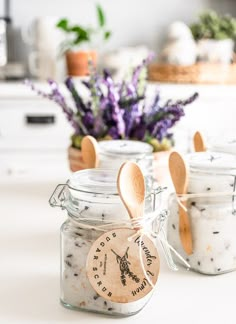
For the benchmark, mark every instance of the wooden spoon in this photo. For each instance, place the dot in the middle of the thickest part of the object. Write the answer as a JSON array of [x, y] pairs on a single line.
[[180, 181], [89, 149], [199, 143], [131, 188]]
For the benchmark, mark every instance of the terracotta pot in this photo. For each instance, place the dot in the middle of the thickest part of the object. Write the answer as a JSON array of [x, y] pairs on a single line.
[[77, 62], [76, 162]]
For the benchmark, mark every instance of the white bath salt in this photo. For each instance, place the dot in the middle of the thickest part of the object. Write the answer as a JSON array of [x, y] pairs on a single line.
[[212, 215], [76, 290], [213, 232]]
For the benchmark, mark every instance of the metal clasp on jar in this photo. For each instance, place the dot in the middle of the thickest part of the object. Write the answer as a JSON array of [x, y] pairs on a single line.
[[59, 196]]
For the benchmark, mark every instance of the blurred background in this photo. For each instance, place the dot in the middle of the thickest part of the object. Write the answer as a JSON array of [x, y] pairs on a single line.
[[132, 23], [34, 131]]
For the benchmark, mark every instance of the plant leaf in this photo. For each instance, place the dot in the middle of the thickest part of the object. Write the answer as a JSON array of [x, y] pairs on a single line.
[[79, 39], [100, 16], [214, 26], [107, 34], [79, 30], [63, 24], [81, 34]]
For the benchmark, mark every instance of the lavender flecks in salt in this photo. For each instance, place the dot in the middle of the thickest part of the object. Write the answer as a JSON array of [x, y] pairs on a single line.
[[68, 263]]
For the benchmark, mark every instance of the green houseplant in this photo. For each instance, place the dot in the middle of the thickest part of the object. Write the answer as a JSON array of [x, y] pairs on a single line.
[[78, 43], [215, 35]]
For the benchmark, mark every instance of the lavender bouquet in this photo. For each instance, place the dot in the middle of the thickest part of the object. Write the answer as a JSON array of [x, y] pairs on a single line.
[[119, 110]]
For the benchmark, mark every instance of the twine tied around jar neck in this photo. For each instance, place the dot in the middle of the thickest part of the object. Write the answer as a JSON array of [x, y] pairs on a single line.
[[184, 197], [144, 225], [58, 199], [152, 225]]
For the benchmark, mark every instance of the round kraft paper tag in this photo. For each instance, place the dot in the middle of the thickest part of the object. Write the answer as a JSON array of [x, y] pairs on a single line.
[[115, 269]]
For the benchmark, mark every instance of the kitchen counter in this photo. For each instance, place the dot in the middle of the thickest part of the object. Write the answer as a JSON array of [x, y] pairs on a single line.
[[29, 270], [18, 90]]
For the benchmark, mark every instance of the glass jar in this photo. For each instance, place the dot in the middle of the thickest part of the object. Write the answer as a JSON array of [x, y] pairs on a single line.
[[224, 144], [93, 204], [211, 172], [113, 153], [211, 207]]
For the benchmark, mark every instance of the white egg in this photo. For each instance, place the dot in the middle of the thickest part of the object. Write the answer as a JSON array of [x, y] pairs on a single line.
[[179, 30]]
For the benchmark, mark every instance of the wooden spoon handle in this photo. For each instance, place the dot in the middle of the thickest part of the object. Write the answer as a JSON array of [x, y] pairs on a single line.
[[185, 231], [199, 143], [179, 177], [89, 148]]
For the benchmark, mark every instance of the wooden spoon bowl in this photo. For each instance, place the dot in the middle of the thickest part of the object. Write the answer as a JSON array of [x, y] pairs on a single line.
[[131, 188], [198, 142], [89, 149]]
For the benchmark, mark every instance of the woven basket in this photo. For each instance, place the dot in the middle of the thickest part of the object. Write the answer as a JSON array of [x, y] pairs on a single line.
[[204, 73]]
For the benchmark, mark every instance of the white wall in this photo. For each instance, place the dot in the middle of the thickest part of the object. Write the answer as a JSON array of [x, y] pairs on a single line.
[[133, 22]]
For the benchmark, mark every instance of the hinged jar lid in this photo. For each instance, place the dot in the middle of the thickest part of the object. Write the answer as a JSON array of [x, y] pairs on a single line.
[[95, 181], [212, 161], [96, 188], [224, 144], [125, 147]]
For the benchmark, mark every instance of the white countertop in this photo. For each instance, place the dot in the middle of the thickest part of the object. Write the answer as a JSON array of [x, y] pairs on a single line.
[[29, 280], [19, 90]]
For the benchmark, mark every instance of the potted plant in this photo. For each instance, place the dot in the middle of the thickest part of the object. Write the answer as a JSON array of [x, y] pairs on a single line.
[[118, 110], [78, 45], [215, 37]]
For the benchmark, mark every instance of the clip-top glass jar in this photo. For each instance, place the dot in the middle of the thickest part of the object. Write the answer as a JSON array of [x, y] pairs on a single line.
[[211, 208], [92, 202], [113, 153]]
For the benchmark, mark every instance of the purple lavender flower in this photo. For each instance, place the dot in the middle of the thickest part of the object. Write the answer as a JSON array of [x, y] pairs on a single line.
[[117, 109], [59, 99], [139, 130], [139, 68], [88, 119], [113, 132], [77, 99]]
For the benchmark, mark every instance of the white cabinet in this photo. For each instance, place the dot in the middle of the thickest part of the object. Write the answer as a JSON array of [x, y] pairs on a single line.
[[34, 134], [29, 124]]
